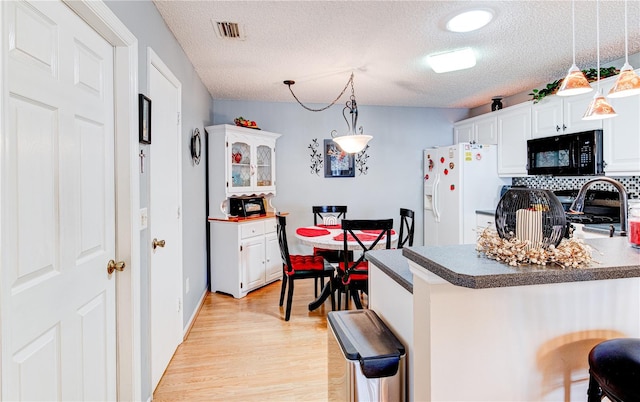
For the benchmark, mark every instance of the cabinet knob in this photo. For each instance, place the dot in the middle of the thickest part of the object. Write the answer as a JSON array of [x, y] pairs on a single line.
[[557, 128], [564, 127]]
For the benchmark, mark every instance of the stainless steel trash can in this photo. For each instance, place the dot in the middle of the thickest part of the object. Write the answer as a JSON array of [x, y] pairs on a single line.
[[366, 360]]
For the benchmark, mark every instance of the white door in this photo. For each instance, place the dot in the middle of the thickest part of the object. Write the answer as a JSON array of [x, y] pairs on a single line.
[[164, 216], [58, 213]]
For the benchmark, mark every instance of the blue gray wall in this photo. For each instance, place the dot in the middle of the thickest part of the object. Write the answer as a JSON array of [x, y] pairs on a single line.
[[144, 21], [394, 177]]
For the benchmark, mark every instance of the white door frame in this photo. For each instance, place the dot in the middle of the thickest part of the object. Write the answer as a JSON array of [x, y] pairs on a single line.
[[154, 61], [127, 184]]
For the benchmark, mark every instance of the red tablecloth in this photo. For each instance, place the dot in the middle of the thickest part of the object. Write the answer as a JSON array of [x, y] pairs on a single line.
[[311, 232], [376, 231], [362, 237]]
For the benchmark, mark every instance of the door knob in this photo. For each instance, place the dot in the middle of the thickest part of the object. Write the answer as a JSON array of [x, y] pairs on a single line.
[[158, 243], [115, 266]]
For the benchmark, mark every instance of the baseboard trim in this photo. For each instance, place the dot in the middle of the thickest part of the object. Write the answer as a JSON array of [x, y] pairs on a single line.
[[192, 319]]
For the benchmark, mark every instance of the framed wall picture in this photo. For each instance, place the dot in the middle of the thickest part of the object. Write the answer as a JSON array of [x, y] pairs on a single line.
[[144, 119], [337, 163]]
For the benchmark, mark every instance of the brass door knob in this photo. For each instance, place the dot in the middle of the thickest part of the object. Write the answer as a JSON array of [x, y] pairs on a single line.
[[158, 243], [115, 266]]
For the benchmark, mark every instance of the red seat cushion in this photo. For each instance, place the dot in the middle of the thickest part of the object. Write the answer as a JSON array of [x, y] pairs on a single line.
[[305, 263], [364, 266]]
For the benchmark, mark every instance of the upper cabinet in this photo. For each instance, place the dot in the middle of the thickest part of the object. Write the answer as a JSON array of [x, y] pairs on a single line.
[[480, 129], [514, 129], [621, 137], [242, 161], [557, 115]]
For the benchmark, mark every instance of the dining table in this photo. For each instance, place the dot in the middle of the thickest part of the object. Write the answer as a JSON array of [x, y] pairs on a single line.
[[331, 237]]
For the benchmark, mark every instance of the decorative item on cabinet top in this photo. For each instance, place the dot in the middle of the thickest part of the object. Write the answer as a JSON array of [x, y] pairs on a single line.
[[242, 122]]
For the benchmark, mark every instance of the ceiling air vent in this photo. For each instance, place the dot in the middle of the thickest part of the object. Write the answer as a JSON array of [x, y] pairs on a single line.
[[228, 30]]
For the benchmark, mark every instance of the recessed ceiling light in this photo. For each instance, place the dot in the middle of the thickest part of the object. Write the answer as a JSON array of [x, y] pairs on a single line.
[[453, 60], [470, 20]]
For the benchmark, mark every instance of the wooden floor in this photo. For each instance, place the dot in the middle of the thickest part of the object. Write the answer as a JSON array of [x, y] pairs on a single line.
[[243, 350]]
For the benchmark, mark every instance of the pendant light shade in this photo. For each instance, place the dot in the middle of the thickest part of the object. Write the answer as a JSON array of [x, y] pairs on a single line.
[[575, 82], [599, 108], [352, 143], [628, 82]]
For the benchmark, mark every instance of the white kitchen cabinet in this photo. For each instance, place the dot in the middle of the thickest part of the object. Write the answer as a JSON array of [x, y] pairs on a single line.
[[479, 129], [241, 162], [244, 255], [514, 130], [557, 115], [621, 138]]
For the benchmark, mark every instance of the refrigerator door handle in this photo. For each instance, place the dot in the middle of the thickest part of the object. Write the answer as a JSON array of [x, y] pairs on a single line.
[[436, 207]]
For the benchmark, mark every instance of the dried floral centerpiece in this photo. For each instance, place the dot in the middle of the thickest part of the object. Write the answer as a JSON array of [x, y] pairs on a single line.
[[530, 225]]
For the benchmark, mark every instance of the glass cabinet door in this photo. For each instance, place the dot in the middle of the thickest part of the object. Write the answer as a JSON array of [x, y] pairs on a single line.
[[241, 169], [264, 166]]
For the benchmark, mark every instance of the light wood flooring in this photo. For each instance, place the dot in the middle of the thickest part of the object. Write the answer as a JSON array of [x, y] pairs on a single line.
[[243, 350]]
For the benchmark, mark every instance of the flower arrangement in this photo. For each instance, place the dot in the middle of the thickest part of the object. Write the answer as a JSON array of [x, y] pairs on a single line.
[[571, 253], [591, 74]]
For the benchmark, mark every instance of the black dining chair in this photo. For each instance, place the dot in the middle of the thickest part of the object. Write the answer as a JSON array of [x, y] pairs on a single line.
[[353, 276], [330, 215], [296, 267], [407, 226]]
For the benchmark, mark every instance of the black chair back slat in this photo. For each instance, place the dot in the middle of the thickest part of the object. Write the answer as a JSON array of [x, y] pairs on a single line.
[[407, 226], [319, 211], [349, 226]]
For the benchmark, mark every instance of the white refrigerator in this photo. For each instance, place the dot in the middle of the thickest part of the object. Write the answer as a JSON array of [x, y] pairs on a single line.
[[458, 180]]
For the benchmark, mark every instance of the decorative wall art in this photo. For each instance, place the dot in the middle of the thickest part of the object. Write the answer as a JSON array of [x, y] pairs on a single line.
[[361, 160], [144, 119], [337, 163], [316, 157]]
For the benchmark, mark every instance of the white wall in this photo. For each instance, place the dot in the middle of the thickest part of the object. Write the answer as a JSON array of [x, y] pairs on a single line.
[[394, 179]]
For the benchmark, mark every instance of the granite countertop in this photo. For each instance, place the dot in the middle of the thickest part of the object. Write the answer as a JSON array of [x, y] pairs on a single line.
[[394, 264], [462, 265]]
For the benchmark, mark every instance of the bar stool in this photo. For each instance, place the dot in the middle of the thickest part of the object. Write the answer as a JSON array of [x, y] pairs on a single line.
[[614, 370]]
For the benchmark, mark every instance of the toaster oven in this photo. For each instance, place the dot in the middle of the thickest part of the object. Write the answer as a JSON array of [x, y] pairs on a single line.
[[246, 206]]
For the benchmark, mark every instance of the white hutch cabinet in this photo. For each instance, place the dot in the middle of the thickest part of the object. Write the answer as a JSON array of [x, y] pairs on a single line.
[[244, 252]]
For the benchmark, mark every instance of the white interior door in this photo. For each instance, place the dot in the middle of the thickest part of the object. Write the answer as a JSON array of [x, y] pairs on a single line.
[[58, 208], [164, 216]]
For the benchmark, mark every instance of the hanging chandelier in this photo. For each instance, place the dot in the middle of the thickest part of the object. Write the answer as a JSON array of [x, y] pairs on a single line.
[[575, 82], [354, 140]]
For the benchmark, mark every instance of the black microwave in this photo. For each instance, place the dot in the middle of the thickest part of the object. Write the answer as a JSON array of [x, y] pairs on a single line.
[[246, 206], [578, 154]]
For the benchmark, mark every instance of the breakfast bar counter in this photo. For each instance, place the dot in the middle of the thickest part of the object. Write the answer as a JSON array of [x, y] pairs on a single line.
[[486, 331]]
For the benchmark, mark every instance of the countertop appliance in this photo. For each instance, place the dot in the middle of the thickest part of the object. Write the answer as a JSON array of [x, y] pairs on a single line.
[[577, 154], [246, 206], [458, 180]]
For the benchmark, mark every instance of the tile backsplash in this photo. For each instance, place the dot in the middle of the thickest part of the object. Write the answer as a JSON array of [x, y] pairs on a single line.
[[631, 183]]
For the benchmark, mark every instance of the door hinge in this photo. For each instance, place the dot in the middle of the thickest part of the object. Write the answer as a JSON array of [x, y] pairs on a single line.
[[178, 213], [241, 285], [178, 123], [240, 248], [179, 304]]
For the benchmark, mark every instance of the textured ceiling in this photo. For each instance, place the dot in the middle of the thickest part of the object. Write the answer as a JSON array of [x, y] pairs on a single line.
[[319, 43]]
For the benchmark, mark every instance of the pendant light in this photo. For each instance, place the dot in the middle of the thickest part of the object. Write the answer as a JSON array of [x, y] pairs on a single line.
[[599, 108], [575, 82], [628, 82], [351, 142]]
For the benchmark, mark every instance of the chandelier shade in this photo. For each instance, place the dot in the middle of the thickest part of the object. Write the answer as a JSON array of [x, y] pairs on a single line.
[[352, 143]]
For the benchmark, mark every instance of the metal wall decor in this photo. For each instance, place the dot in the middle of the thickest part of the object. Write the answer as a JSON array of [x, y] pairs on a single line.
[[361, 160], [316, 157], [196, 146]]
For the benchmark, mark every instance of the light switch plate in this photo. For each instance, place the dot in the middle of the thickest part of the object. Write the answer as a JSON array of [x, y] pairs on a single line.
[[144, 218]]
